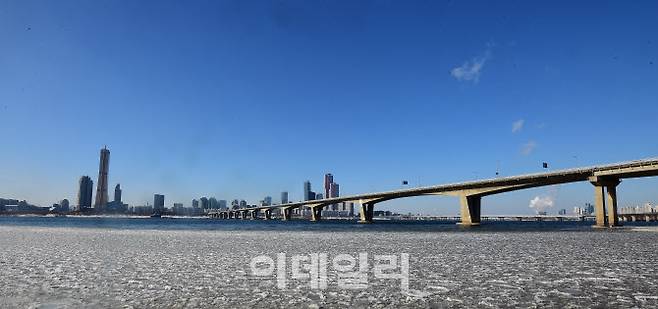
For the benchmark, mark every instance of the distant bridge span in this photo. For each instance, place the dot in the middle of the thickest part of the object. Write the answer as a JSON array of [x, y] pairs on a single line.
[[604, 178]]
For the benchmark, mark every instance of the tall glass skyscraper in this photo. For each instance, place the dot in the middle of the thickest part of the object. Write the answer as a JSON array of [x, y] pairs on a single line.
[[284, 197], [308, 192], [328, 180], [85, 190], [101, 189]]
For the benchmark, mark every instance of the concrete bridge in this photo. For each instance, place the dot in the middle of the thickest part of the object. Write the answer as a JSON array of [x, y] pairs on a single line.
[[604, 178], [646, 217]]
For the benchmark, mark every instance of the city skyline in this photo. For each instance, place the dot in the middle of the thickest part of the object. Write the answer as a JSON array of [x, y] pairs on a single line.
[[330, 186], [394, 93]]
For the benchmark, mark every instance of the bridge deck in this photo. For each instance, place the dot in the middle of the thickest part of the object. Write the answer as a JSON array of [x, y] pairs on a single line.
[[630, 169]]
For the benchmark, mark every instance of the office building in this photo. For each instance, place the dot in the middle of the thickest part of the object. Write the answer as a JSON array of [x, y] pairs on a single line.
[[158, 203], [328, 180], [333, 192], [204, 203], [284, 197], [117, 193], [308, 194], [64, 205]]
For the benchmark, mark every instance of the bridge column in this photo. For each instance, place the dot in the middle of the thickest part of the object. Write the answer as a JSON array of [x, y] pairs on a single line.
[[254, 214], [366, 212], [612, 204], [605, 189], [316, 213], [268, 214], [470, 210], [286, 212], [599, 206], [245, 214]]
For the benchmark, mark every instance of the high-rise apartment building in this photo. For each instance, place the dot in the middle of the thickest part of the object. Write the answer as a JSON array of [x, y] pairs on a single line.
[[85, 191]]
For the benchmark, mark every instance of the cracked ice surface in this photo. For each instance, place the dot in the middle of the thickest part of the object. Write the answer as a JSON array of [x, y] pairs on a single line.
[[87, 267]]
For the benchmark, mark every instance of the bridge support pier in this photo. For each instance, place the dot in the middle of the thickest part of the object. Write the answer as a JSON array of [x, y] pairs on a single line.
[[286, 212], [366, 212], [316, 213], [268, 214], [470, 210], [254, 214], [605, 189]]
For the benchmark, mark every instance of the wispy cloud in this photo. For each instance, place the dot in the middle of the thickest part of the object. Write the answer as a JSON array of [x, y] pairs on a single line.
[[517, 125], [470, 70], [528, 147]]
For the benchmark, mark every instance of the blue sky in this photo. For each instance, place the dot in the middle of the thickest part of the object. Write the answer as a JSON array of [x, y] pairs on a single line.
[[243, 99]]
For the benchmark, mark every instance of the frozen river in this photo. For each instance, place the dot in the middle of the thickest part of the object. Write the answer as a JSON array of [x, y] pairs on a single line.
[[47, 264]]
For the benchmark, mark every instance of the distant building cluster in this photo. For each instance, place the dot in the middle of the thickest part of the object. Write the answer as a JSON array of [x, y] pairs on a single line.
[[14, 206], [588, 210], [331, 190], [102, 204], [647, 208]]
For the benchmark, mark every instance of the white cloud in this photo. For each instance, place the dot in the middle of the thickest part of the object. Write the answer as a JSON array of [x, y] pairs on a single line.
[[470, 70], [528, 148], [542, 203], [517, 125]]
